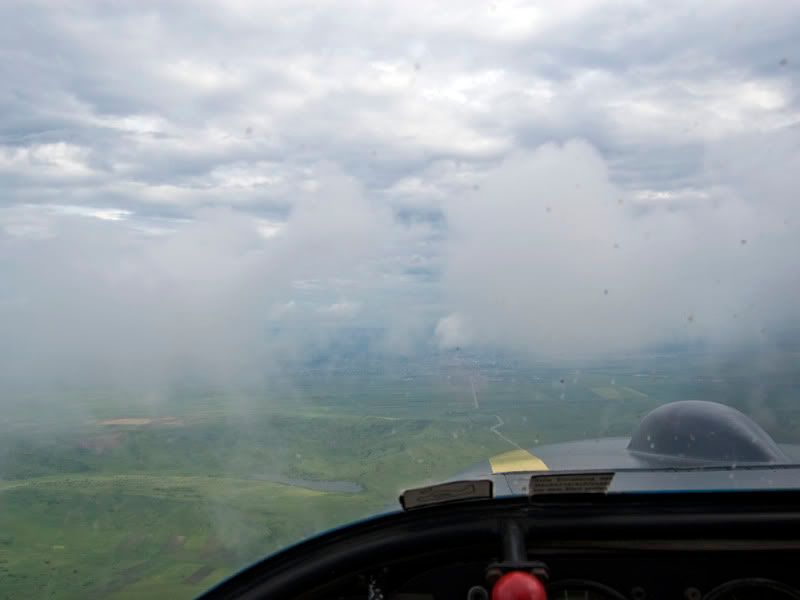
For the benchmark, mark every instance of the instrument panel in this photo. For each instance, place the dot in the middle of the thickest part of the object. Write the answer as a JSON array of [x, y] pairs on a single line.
[[577, 589], [626, 576], [739, 589], [653, 547]]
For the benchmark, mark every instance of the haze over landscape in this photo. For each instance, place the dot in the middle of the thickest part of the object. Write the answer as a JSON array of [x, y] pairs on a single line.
[[193, 186]]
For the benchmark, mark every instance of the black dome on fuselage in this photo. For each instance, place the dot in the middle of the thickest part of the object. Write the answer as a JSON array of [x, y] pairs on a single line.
[[701, 430]]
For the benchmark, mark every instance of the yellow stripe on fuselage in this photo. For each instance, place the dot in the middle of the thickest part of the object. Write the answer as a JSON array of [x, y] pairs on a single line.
[[516, 460]]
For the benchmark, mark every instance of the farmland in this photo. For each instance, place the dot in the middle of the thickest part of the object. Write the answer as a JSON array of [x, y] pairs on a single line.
[[104, 494]]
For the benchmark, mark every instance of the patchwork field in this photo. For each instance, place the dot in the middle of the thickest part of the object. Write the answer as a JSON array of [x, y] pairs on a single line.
[[103, 495]]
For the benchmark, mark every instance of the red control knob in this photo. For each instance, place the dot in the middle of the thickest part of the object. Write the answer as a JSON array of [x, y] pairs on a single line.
[[519, 585]]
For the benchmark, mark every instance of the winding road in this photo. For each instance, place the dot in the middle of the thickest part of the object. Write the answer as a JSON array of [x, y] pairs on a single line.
[[494, 429]]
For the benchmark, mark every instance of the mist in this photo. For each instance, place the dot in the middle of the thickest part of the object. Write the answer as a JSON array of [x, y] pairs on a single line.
[[231, 206], [218, 296], [545, 257], [549, 257]]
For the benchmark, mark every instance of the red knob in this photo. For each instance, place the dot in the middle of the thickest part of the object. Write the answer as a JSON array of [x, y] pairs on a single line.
[[519, 585]]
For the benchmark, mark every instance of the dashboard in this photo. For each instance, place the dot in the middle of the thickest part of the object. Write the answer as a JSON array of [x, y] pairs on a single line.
[[633, 575], [734, 546]]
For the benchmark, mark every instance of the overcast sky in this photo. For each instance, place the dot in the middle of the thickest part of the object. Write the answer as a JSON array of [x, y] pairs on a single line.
[[185, 182]]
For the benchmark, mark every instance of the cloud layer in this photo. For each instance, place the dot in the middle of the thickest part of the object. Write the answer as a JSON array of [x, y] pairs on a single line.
[[207, 187], [550, 257]]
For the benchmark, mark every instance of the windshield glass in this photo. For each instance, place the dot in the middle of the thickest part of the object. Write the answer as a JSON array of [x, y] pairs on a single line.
[[265, 265]]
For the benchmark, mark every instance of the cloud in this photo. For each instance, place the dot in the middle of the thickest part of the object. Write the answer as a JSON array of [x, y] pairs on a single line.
[[204, 191], [548, 258], [388, 94], [88, 295], [452, 332], [340, 310], [282, 310]]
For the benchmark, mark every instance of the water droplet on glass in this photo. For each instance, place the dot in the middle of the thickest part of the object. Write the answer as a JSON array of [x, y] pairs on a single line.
[[783, 62], [743, 242]]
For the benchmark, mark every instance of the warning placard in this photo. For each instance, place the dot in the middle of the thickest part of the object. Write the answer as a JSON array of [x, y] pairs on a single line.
[[569, 483], [450, 491]]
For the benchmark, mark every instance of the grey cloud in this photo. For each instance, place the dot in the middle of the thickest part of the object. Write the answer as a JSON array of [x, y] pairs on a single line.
[[418, 129], [546, 260], [90, 297]]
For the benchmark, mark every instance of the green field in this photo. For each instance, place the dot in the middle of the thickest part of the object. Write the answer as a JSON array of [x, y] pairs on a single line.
[[106, 493]]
